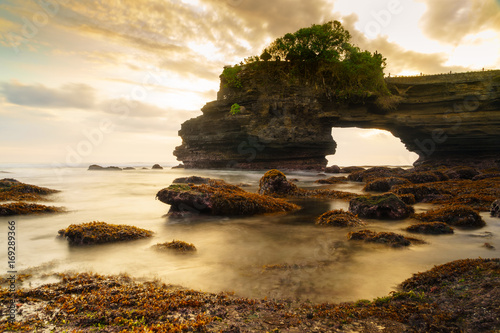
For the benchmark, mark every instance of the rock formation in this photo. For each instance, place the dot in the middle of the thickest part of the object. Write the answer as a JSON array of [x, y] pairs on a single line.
[[445, 119]]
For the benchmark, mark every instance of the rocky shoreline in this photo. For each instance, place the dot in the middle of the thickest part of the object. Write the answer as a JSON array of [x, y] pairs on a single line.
[[460, 296]]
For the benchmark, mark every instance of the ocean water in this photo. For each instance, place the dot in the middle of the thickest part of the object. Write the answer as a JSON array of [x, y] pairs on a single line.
[[232, 251]]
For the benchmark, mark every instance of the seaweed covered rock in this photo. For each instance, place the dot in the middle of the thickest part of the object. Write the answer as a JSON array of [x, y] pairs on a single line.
[[462, 172], [386, 206], [495, 208], [421, 177], [455, 215], [375, 172], [100, 232], [423, 192], [12, 189], [351, 169], [22, 208], [435, 228], [408, 199], [219, 198], [387, 238], [176, 245], [274, 182], [339, 218], [385, 184], [331, 180], [332, 169], [191, 180]]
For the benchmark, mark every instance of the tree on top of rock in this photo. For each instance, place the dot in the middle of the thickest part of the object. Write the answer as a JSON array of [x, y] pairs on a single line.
[[325, 42]]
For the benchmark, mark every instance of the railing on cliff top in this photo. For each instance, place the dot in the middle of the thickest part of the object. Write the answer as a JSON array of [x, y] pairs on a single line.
[[447, 77]]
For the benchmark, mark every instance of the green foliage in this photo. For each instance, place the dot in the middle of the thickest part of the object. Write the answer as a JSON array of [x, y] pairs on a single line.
[[230, 75], [322, 55], [235, 109]]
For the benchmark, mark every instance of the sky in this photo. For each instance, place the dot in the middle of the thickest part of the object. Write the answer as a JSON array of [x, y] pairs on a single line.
[[111, 81]]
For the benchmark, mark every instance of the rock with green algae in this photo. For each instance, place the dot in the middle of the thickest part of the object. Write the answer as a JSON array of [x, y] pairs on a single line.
[[455, 215], [386, 206], [97, 232], [219, 198], [339, 218], [387, 238]]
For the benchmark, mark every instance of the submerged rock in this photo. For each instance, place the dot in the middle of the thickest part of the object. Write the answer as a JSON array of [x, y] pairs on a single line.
[[388, 238], [435, 228], [455, 215], [176, 245], [339, 218], [219, 198], [495, 208], [331, 180], [386, 206], [95, 167], [22, 208], [100, 232]]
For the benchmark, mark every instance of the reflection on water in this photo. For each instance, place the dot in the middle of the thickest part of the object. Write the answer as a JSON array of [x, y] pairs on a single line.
[[274, 256]]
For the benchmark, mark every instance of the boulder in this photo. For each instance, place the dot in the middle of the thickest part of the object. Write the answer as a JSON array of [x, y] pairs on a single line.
[[274, 183], [177, 246], [339, 218], [95, 167], [387, 238], [455, 215], [191, 180], [386, 206], [157, 167], [219, 198], [332, 169], [100, 232], [385, 184], [435, 228], [331, 180]]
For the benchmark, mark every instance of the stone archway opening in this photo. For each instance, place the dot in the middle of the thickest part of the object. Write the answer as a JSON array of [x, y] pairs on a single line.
[[369, 147]]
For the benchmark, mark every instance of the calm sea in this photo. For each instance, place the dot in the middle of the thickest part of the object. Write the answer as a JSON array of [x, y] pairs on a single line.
[[232, 252]]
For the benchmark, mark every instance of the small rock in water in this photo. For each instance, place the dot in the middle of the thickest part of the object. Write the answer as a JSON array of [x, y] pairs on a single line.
[[157, 167]]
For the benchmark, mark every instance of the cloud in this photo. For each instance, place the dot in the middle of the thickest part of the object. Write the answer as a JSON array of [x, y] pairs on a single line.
[[398, 58], [71, 95], [450, 21]]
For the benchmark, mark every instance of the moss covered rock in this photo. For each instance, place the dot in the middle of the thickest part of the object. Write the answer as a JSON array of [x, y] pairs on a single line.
[[339, 218], [435, 228], [176, 245], [100, 232], [455, 215], [386, 206], [385, 184], [14, 190], [23, 208], [387, 238], [331, 180], [274, 182], [219, 198]]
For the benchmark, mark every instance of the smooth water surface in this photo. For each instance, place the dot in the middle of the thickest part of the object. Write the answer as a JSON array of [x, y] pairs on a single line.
[[232, 252]]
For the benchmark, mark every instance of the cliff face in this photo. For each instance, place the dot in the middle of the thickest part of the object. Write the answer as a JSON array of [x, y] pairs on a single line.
[[288, 125]]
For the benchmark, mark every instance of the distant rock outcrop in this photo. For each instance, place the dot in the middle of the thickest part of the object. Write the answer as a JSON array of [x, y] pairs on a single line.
[[445, 119], [95, 167]]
